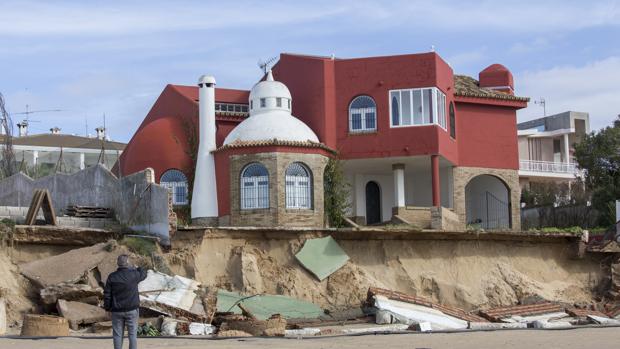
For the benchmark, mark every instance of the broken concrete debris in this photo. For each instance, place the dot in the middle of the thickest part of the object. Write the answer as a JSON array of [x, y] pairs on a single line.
[[171, 295], [322, 256], [71, 292], [80, 313]]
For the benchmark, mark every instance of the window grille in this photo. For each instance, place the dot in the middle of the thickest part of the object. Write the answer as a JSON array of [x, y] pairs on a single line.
[[298, 187], [362, 114], [254, 187], [176, 182]]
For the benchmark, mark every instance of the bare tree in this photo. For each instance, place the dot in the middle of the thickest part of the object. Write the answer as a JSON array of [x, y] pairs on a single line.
[[8, 165]]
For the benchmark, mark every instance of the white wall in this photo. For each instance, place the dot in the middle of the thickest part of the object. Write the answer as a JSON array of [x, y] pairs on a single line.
[[386, 184], [477, 187], [419, 187]]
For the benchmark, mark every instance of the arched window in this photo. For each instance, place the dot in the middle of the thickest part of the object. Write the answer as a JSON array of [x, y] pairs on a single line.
[[254, 187], [362, 114], [452, 121], [176, 182], [298, 186]]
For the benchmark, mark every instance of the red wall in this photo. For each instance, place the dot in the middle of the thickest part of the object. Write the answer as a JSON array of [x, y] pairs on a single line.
[[322, 90], [487, 136]]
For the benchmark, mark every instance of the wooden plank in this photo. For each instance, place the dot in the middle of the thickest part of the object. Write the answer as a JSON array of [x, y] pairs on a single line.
[[35, 205], [48, 208]]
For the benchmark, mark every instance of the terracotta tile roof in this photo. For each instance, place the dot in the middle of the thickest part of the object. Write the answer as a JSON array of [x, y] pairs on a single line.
[[65, 141], [496, 314], [466, 86], [222, 95], [402, 297], [275, 142], [584, 312]]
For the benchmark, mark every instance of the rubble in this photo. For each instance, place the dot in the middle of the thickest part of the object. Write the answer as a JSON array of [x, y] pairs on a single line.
[[502, 314], [264, 306], [274, 326], [603, 320], [322, 256], [454, 312], [44, 325], [71, 292], [198, 329], [171, 295], [3, 322], [81, 313], [75, 265]]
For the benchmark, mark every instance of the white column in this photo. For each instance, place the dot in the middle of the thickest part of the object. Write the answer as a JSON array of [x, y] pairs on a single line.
[[399, 185], [35, 157], [82, 162], [566, 149], [204, 204]]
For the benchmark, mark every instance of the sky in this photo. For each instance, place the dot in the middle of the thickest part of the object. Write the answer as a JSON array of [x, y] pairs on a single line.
[[113, 58]]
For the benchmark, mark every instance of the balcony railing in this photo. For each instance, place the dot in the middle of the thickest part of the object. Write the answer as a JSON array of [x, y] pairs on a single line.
[[547, 166]]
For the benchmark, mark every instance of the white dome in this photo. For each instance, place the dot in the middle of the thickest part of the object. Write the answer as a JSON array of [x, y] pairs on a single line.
[[278, 125], [270, 117]]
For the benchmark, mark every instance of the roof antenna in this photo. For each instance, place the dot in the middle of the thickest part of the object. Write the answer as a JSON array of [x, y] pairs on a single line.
[[432, 48], [543, 104], [265, 65], [86, 124]]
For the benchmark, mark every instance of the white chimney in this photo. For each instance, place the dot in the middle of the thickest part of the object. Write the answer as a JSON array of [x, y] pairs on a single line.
[[55, 130], [100, 132], [23, 128], [204, 195]]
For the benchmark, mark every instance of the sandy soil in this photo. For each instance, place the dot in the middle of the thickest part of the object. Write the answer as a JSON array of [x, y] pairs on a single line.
[[468, 274], [600, 338]]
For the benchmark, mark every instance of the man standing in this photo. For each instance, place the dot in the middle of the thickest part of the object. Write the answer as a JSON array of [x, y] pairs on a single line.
[[122, 299]]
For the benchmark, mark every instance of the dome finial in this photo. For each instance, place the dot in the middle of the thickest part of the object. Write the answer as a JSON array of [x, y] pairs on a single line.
[[269, 76]]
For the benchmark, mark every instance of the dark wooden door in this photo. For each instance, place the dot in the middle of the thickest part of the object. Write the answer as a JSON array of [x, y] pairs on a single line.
[[373, 203]]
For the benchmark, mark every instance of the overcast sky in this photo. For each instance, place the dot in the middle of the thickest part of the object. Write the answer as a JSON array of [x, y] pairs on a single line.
[[115, 57]]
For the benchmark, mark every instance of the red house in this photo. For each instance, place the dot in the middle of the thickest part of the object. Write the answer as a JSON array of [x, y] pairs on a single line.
[[418, 144]]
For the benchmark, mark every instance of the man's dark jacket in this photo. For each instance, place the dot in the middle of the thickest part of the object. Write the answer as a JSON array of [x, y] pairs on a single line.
[[121, 289]]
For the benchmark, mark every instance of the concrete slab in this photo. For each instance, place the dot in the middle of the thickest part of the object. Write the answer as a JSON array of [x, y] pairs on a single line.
[[81, 313], [322, 256]]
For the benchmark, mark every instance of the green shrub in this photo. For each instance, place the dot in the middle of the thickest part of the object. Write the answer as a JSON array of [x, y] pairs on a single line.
[[140, 246]]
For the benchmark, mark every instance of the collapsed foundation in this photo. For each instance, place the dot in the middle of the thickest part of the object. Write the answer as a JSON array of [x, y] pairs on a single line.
[[467, 270]]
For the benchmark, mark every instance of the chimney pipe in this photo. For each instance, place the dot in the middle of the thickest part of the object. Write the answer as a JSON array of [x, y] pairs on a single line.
[[23, 128], [204, 196], [100, 132]]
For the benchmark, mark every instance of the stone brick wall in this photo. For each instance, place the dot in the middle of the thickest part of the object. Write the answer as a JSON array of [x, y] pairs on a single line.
[[462, 176], [419, 217], [445, 219], [277, 214]]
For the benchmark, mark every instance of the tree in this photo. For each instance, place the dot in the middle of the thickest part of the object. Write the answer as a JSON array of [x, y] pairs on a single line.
[[598, 154], [336, 195], [7, 164]]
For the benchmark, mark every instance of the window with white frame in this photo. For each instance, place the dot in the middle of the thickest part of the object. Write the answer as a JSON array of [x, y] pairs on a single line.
[[254, 187], [362, 114], [419, 106], [176, 182], [298, 186]]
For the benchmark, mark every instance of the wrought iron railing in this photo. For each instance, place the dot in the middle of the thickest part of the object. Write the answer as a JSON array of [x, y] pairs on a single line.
[[547, 166]]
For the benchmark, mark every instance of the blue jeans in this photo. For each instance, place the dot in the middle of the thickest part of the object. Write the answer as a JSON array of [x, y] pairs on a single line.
[[119, 321]]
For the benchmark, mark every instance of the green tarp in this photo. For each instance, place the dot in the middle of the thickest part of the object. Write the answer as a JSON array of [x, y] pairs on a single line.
[[263, 306], [322, 256]]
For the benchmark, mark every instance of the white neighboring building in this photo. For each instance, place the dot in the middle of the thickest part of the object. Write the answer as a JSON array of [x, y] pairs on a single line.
[[45, 153], [546, 147]]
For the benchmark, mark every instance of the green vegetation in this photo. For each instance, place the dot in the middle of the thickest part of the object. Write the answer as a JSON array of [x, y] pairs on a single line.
[[599, 155], [148, 330], [336, 195], [140, 246]]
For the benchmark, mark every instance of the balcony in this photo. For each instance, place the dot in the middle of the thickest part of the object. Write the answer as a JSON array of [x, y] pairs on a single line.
[[548, 167]]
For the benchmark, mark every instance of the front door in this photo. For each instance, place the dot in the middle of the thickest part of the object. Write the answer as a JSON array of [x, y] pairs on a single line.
[[373, 203]]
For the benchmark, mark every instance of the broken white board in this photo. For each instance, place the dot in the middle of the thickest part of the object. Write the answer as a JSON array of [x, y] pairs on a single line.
[[376, 329], [532, 318], [409, 314], [174, 291], [603, 320]]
